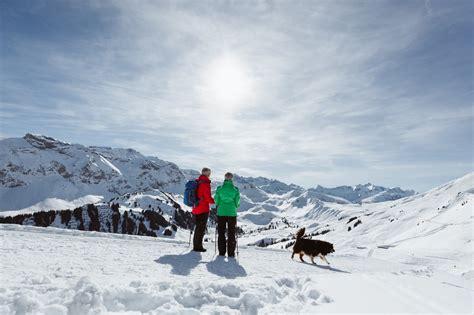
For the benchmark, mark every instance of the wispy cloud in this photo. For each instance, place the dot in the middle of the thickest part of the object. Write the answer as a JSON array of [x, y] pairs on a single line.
[[341, 92]]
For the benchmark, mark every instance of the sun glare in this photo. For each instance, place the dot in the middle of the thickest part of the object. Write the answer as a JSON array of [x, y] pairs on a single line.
[[227, 82]]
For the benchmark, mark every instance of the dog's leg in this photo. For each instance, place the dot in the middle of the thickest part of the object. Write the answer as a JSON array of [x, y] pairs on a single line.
[[293, 255], [324, 258], [312, 259], [301, 257]]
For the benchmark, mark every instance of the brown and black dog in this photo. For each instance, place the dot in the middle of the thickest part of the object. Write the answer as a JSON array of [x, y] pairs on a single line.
[[312, 248]]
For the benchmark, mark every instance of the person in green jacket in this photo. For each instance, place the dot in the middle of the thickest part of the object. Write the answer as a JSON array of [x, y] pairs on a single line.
[[227, 200]]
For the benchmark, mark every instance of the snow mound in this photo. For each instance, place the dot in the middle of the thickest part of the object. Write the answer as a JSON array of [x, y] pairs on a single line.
[[88, 296]]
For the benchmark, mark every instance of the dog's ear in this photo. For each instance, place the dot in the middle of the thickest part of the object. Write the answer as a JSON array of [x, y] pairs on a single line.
[[300, 232]]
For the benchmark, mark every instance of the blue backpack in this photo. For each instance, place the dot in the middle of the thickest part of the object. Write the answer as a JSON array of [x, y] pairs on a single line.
[[190, 193]]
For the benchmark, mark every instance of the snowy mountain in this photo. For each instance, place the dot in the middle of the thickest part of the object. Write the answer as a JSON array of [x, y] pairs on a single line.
[[35, 168], [42, 173], [364, 193]]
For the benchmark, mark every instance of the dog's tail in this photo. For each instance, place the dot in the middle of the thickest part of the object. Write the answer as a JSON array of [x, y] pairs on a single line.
[[300, 233]]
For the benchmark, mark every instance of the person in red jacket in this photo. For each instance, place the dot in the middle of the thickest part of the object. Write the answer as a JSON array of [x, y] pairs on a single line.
[[201, 211]]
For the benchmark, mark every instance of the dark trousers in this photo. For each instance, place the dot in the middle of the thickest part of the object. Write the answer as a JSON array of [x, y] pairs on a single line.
[[200, 229], [222, 224]]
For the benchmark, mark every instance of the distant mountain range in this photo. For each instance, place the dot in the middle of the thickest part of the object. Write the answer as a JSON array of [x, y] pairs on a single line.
[[40, 172]]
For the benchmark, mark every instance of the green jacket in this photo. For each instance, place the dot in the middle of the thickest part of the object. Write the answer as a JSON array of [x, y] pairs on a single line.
[[227, 199]]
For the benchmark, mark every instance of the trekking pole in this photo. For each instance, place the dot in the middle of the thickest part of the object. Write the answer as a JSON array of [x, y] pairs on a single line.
[[237, 242], [215, 235], [191, 229], [215, 240]]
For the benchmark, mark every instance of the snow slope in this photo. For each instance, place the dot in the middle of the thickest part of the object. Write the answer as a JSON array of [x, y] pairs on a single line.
[[436, 227], [55, 271]]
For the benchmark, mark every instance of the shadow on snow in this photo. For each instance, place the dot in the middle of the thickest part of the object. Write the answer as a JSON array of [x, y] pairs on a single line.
[[181, 264], [327, 268], [184, 263], [229, 268]]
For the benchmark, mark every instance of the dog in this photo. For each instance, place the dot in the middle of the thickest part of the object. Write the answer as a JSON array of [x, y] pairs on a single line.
[[312, 248]]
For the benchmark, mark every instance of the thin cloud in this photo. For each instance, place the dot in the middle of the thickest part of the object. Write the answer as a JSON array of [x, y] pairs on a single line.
[[326, 101]]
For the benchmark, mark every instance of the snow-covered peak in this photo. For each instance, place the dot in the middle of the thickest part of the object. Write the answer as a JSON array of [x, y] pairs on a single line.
[[364, 192], [34, 168], [270, 186]]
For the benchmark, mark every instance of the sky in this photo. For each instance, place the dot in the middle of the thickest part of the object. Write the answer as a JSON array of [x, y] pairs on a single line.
[[307, 92]]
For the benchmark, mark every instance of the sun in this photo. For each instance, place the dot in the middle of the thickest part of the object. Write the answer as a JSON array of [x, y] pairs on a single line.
[[227, 81]]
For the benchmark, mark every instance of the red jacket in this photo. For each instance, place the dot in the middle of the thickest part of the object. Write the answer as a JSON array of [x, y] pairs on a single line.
[[204, 195]]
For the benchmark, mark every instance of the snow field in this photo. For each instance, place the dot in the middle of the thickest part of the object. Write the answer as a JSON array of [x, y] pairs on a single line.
[[55, 271], [73, 272]]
